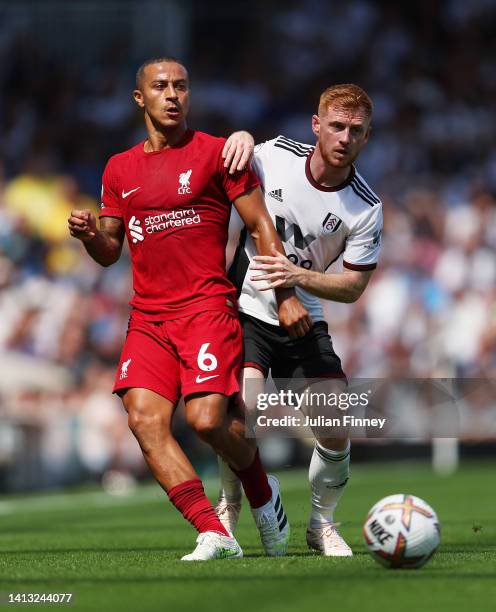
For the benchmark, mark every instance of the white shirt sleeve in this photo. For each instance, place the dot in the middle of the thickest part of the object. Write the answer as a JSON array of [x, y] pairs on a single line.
[[364, 241], [261, 157]]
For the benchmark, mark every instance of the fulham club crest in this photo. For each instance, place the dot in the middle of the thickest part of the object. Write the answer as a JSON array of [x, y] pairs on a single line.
[[331, 224]]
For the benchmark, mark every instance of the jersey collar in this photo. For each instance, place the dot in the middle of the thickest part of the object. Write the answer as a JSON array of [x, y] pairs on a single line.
[[185, 139], [320, 187]]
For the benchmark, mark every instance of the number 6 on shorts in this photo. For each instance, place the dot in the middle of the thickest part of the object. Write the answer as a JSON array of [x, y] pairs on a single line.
[[206, 361]]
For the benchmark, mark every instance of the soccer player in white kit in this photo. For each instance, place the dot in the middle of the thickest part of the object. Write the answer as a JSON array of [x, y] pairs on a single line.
[[322, 208]]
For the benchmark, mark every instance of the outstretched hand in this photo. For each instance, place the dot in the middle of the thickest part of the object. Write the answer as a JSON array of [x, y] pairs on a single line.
[[237, 151], [277, 269]]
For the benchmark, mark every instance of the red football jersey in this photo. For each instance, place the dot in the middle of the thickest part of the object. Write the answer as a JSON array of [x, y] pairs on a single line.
[[176, 204]]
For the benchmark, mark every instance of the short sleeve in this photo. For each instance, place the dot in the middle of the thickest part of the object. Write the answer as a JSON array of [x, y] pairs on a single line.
[[259, 159], [238, 183], [110, 204], [363, 245]]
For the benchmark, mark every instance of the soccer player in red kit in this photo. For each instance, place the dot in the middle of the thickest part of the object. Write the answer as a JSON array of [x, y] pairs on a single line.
[[170, 195]]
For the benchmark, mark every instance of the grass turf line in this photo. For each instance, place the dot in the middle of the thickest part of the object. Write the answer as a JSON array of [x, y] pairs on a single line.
[[122, 553]]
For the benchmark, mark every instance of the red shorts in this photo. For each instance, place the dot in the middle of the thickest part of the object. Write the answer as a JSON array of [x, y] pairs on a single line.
[[193, 354]]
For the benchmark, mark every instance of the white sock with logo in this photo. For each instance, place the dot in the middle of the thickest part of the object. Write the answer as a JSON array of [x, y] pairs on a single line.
[[328, 475], [230, 484]]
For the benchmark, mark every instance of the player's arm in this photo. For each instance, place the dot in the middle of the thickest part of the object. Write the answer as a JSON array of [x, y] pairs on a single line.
[[104, 245], [251, 208], [238, 151], [362, 247], [345, 287], [279, 271]]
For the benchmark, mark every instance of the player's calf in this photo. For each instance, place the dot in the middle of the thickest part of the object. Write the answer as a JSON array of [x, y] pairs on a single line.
[[328, 475]]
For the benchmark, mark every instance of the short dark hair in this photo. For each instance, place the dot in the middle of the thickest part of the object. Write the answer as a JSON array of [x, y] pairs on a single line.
[[155, 60]]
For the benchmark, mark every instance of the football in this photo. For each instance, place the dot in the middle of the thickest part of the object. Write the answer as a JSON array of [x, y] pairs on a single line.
[[402, 531]]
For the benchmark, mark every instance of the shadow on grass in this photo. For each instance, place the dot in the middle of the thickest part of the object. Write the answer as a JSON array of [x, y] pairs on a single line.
[[160, 549], [58, 551], [82, 528], [369, 574], [305, 555]]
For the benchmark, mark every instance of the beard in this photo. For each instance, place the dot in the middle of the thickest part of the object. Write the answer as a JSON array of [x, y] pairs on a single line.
[[337, 160]]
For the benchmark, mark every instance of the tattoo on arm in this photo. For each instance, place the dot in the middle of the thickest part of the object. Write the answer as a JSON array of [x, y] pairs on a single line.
[[113, 227], [106, 247]]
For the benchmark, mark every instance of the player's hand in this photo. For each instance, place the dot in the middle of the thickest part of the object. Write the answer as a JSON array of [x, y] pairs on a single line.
[[277, 269], [294, 317], [82, 225], [237, 151]]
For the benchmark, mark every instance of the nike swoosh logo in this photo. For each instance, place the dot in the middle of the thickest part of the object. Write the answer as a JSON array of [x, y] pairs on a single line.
[[199, 379], [126, 193]]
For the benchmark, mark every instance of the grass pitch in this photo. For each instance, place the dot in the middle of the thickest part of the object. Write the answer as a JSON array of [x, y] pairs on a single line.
[[123, 553]]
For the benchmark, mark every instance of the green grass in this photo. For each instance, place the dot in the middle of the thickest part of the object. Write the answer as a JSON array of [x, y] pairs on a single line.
[[122, 553]]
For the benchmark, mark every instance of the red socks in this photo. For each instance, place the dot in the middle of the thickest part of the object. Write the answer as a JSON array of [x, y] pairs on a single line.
[[255, 483], [191, 501]]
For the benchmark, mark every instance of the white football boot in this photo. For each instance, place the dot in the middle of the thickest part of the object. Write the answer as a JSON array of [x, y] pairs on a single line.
[[328, 541], [228, 513], [213, 545], [272, 523]]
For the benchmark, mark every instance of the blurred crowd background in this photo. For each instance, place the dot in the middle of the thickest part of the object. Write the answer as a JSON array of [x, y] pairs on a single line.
[[66, 76]]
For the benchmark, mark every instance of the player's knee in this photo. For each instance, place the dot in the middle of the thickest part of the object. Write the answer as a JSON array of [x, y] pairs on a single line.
[[144, 419], [207, 426]]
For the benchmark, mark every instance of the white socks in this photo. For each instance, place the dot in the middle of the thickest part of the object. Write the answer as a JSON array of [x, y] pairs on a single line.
[[328, 475], [230, 484]]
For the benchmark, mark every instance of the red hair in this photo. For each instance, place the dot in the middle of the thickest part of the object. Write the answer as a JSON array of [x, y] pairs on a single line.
[[346, 96]]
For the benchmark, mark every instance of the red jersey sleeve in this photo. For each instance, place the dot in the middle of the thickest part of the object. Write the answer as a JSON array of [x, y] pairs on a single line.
[[110, 206], [238, 183]]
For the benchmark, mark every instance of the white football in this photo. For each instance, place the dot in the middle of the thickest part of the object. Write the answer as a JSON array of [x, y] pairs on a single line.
[[402, 531]]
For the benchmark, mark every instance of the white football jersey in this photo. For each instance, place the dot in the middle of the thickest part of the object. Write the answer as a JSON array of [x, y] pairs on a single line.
[[316, 224]]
